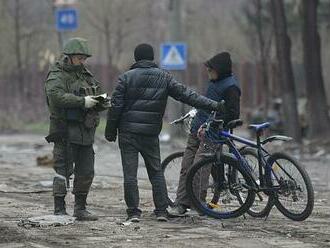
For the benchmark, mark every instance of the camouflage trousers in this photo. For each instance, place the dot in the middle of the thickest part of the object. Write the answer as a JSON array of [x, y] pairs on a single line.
[[73, 159]]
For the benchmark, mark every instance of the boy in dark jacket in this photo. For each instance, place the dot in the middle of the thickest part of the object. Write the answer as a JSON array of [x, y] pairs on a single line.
[[222, 85]]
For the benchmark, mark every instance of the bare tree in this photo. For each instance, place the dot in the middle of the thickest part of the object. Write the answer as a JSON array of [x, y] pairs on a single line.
[[209, 27], [28, 31], [112, 21], [286, 77], [24, 30], [18, 40], [317, 103], [120, 25], [258, 17], [99, 18]]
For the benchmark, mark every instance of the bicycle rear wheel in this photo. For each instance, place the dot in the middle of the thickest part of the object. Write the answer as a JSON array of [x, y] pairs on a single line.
[[262, 203], [233, 188], [295, 195], [171, 166]]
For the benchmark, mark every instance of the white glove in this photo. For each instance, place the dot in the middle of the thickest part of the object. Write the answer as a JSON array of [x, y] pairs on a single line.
[[90, 102]]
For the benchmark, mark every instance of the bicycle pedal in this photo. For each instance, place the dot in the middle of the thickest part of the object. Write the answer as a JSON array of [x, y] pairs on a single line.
[[214, 205]]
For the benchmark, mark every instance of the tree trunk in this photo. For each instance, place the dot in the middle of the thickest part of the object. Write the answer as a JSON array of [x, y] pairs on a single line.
[[107, 34], [263, 56], [18, 52], [283, 52], [318, 117]]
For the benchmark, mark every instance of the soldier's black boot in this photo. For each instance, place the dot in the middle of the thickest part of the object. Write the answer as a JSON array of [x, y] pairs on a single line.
[[80, 211], [59, 205]]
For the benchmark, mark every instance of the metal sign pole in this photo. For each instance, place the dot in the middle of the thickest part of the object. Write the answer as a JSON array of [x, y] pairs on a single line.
[[175, 108]]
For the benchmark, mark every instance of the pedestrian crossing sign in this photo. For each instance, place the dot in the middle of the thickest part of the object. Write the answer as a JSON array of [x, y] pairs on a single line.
[[173, 56]]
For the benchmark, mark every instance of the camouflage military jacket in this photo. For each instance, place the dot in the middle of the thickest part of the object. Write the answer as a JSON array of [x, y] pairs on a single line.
[[65, 87]]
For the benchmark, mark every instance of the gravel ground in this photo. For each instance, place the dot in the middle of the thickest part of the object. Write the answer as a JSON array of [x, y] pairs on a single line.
[[25, 192]]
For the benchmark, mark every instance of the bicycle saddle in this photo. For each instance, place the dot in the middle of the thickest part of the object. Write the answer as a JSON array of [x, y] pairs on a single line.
[[234, 123], [259, 127]]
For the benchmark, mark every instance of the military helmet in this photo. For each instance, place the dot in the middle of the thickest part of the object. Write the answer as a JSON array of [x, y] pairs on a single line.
[[76, 46]]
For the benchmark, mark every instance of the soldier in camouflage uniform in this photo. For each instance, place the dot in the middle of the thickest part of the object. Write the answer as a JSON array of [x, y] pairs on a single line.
[[73, 119]]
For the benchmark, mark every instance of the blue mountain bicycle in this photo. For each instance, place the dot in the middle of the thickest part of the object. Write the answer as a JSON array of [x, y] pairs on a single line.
[[171, 166], [224, 185]]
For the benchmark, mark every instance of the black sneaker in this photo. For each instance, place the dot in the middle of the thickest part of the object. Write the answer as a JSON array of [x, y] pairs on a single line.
[[133, 218], [177, 211], [162, 217], [84, 215]]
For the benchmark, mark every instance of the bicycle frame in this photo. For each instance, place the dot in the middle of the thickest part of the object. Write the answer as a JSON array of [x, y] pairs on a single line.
[[262, 153]]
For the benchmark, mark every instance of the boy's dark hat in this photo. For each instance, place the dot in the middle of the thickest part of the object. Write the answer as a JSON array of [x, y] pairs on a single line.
[[220, 63]]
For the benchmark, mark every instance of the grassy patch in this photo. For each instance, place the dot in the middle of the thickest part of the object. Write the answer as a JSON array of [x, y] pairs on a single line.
[[36, 127], [42, 127]]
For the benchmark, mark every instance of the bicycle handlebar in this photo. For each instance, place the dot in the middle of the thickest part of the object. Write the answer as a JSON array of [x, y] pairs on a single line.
[[214, 123], [191, 113]]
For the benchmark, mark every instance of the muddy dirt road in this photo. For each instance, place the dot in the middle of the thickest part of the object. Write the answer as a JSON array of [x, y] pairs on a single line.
[[25, 192]]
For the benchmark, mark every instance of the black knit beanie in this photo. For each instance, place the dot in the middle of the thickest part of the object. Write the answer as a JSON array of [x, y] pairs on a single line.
[[221, 63], [144, 51]]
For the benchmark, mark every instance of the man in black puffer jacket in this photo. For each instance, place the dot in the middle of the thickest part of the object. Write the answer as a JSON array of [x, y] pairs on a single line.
[[138, 106]]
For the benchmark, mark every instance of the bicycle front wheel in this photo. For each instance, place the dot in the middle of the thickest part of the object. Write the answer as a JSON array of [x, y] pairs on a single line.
[[294, 196], [171, 166], [232, 189]]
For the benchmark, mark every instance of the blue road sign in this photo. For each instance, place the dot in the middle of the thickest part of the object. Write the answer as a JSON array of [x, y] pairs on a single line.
[[173, 56], [66, 19]]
